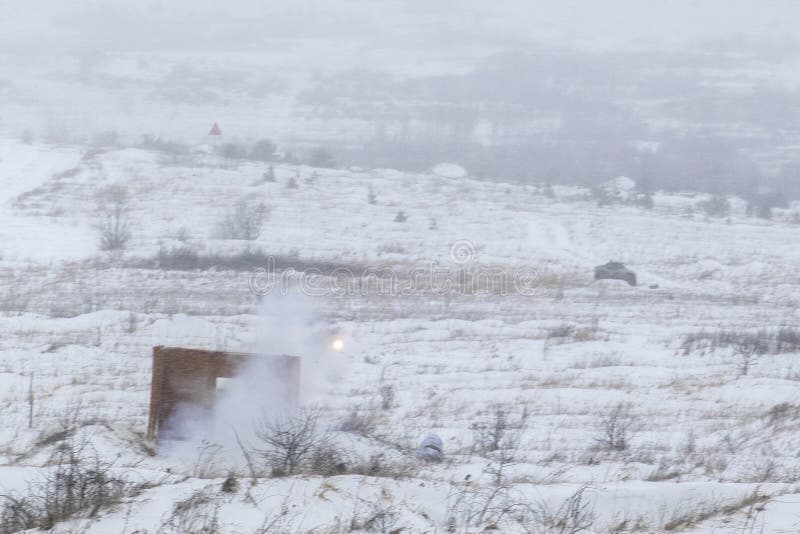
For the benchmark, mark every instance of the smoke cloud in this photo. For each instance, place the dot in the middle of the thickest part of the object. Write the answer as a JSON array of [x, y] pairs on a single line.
[[288, 324]]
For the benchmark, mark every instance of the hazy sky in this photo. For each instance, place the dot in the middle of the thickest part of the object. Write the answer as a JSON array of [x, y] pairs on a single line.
[[155, 24]]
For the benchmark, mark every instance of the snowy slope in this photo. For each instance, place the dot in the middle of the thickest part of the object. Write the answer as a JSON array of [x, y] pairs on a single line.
[[701, 437]]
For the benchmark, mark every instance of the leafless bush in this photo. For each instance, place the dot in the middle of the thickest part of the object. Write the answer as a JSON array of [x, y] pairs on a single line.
[[159, 144], [663, 472], [486, 505], [78, 484], [206, 463], [243, 221], [263, 150], [764, 341], [269, 174], [562, 330], [614, 428], [689, 515], [131, 323], [328, 460], [571, 332], [475, 506], [574, 515], [360, 422], [322, 157], [113, 222], [387, 396], [230, 484], [199, 514], [716, 206], [379, 519], [782, 413], [232, 151], [496, 435], [378, 465], [287, 442], [178, 258]]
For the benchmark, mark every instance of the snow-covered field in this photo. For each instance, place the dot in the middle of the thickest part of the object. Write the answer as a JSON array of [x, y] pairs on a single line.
[[699, 445]]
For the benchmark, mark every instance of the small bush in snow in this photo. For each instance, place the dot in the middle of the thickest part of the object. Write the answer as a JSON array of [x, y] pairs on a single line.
[[321, 157], [572, 516], [359, 422], [78, 484], [615, 429], [178, 258], [243, 221], [113, 223], [716, 206], [232, 151], [269, 174], [286, 443], [263, 150], [199, 513]]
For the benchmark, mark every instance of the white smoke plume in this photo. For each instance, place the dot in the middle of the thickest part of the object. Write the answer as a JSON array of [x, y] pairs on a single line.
[[288, 324]]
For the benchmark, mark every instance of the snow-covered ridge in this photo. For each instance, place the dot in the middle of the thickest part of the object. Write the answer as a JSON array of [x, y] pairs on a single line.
[[701, 435]]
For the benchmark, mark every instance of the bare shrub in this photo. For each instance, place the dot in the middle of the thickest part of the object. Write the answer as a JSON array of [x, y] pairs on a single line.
[[378, 465], [401, 217], [782, 413], [327, 460], [764, 341], [379, 519], [232, 151], [198, 514], [182, 257], [750, 349], [688, 516], [476, 506], [387, 394], [359, 422], [230, 484], [322, 157], [166, 146], [113, 222], [716, 206], [206, 463], [498, 435], [663, 472], [568, 332], [560, 331], [243, 221], [78, 484], [287, 442], [574, 515], [269, 174], [614, 429], [263, 150]]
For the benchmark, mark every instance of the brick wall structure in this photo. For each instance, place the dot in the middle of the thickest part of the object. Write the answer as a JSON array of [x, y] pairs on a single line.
[[183, 376]]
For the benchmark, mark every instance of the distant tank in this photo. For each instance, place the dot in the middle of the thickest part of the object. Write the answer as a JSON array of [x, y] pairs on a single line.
[[614, 270]]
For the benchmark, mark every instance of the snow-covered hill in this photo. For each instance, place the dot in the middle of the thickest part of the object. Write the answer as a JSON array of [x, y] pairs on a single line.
[[705, 448]]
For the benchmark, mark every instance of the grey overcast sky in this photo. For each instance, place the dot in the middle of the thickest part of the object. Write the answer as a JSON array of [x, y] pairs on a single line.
[[161, 24]]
